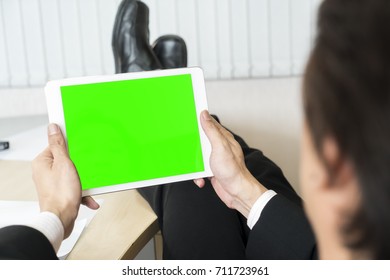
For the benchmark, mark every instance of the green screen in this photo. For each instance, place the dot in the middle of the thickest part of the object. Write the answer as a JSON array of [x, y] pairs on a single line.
[[132, 130]]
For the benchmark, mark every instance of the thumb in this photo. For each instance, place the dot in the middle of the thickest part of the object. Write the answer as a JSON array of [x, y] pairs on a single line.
[[212, 129], [56, 140]]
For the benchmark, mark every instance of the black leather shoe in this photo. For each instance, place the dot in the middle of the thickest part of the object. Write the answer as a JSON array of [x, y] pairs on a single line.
[[171, 51], [130, 39]]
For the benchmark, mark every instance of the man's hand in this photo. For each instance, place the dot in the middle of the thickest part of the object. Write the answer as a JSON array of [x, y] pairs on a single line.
[[57, 182], [232, 181]]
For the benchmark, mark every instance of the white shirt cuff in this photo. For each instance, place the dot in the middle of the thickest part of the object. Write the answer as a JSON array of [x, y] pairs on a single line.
[[51, 226], [257, 208]]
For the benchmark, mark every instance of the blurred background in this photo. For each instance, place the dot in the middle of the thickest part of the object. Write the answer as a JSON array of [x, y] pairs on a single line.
[[253, 53]]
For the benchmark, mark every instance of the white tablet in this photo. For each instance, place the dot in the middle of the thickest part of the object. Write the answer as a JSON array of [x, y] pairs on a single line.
[[133, 130]]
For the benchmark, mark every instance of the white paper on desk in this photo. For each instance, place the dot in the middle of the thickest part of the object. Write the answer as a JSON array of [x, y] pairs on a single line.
[[68, 244], [23, 212], [26, 145]]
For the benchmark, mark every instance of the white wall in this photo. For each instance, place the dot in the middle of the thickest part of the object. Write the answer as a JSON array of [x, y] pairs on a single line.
[[16, 102], [266, 113]]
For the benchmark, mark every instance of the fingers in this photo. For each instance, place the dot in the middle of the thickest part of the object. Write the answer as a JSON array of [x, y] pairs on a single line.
[[41, 162], [210, 127], [219, 136], [213, 129], [90, 203], [56, 140], [45, 155], [199, 182]]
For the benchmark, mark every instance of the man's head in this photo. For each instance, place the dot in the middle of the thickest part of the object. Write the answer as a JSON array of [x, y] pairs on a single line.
[[346, 141]]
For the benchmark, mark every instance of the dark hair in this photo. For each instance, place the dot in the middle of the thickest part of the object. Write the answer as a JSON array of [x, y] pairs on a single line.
[[347, 96]]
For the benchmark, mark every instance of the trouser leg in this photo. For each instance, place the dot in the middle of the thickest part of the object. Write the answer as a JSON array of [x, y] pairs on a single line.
[[195, 223]]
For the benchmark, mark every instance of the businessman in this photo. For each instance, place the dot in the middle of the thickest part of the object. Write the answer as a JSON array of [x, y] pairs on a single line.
[[59, 195]]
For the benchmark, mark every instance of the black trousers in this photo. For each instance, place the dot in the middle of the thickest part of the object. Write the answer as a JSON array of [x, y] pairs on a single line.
[[196, 224]]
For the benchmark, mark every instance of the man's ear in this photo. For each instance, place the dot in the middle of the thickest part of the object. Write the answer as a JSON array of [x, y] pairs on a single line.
[[341, 177]]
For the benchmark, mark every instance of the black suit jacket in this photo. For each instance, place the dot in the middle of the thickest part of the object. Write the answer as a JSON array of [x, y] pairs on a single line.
[[283, 231], [24, 243]]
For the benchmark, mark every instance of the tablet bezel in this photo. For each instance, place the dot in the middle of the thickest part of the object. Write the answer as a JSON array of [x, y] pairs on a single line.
[[56, 115]]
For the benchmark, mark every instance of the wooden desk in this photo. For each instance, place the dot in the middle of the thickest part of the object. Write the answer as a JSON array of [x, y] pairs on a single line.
[[121, 228]]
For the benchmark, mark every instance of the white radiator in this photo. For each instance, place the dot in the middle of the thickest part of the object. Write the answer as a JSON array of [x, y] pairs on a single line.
[[42, 40]]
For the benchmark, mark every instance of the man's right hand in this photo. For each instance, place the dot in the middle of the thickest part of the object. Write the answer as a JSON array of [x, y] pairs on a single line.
[[232, 181]]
